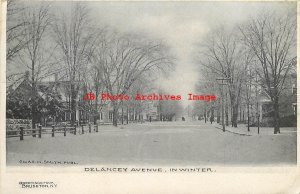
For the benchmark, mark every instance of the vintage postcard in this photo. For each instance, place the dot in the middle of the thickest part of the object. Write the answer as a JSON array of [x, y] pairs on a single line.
[[149, 97]]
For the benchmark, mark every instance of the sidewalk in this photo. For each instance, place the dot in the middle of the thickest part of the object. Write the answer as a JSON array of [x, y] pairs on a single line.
[[243, 130]]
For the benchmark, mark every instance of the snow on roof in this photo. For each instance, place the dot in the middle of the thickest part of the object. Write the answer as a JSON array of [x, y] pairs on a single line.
[[62, 91], [264, 97], [13, 81]]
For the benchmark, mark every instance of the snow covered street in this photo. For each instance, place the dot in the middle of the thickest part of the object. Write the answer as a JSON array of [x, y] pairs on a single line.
[[160, 143]]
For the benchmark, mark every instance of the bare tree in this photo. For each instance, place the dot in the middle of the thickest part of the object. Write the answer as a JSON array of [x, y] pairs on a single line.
[[98, 87], [35, 23], [272, 39], [222, 55], [135, 107], [90, 81], [207, 85], [72, 33], [122, 59], [248, 91], [15, 36]]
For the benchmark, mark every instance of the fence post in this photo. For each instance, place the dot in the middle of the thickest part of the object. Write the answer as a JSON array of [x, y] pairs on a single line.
[[65, 130], [33, 132], [21, 133], [89, 127], [82, 129], [53, 129], [74, 129], [97, 128], [40, 131]]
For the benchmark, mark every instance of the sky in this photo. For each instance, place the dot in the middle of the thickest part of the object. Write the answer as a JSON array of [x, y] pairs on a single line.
[[181, 25]]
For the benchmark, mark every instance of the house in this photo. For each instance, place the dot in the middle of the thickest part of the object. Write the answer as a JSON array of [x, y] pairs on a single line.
[[287, 104], [53, 98], [55, 103]]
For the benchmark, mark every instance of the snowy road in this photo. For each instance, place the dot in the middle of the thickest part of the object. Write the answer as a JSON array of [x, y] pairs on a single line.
[[179, 143]]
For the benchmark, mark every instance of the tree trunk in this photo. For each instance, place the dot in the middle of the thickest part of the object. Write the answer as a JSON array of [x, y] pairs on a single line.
[[115, 115], [240, 113], [127, 114], [212, 116], [122, 114], [135, 114], [33, 105], [205, 114], [97, 112], [34, 97], [226, 116], [276, 116], [226, 112], [235, 112], [73, 104], [231, 115], [218, 113], [235, 109], [248, 126]]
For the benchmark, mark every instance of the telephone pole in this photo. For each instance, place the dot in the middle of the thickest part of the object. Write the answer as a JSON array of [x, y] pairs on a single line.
[[222, 96]]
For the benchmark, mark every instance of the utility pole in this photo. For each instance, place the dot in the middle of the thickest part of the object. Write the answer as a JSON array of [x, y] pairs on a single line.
[[205, 114], [248, 119], [222, 96], [248, 99], [257, 107], [122, 113]]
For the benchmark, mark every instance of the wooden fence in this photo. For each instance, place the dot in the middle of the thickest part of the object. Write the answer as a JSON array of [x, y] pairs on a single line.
[[53, 130]]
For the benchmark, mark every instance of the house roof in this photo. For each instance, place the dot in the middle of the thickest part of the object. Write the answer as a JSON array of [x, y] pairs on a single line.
[[263, 97], [14, 81]]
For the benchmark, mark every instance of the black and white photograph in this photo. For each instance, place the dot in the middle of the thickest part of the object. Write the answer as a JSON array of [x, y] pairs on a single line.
[[151, 84], [148, 97]]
